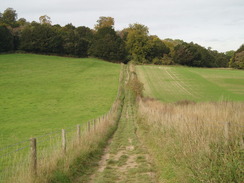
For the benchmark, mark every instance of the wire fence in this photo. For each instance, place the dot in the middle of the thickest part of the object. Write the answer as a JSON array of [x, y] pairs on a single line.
[[16, 157], [28, 155]]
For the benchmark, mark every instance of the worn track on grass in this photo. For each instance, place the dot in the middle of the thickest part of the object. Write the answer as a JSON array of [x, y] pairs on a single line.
[[125, 159]]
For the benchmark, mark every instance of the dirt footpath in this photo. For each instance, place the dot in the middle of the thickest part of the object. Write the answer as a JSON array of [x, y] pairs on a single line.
[[125, 159]]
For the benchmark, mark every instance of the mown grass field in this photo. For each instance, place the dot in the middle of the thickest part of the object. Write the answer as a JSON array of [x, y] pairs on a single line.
[[40, 94], [175, 83]]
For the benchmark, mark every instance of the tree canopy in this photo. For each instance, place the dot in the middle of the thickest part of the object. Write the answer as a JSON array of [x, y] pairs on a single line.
[[9, 17], [237, 61], [104, 22], [108, 45], [132, 43]]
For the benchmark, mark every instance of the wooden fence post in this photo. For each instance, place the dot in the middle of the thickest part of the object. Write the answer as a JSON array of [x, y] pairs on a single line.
[[33, 165], [226, 132], [63, 141], [94, 124], [78, 134], [88, 126]]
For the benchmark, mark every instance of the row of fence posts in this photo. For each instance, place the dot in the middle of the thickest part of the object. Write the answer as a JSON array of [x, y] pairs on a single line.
[[91, 125]]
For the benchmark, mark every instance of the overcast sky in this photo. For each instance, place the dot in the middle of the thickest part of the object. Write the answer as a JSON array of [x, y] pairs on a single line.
[[211, 23]]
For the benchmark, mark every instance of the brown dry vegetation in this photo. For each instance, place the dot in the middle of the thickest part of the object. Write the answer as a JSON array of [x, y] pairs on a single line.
[[194, 142]]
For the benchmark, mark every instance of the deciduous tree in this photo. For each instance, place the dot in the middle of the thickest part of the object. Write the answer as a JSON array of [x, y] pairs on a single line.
[[6, 39], [104, 22], [9, 17], [45, 20], [108, 45], [137, 42], [237, 61]]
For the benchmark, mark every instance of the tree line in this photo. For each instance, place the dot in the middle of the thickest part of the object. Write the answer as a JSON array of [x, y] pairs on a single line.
[[131, 43]]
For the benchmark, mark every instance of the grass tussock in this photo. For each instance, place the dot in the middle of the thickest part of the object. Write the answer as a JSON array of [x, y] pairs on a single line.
[[194, 142]]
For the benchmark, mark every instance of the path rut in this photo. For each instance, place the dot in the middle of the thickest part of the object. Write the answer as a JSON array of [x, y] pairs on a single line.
[[125, 159]]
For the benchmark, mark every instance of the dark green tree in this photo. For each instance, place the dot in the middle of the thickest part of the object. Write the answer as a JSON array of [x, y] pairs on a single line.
[[221, 59], [9, 18], [40, 39], [191, 54], [137, 42], [237, 61], [6, 39], [108, 45], [76, 40], [157, 49]]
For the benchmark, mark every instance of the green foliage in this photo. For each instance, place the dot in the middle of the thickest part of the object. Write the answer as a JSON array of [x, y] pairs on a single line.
[[6, 39], [40, 38], [157, 49], [171, 44], [142, 47], [191, 54], [237, 61], [137, 42], [45, 20], [103, 22], [132, 43], [44, 38], [108, 45], [76, 41], [9, 17], [230, 53], [221, 59]]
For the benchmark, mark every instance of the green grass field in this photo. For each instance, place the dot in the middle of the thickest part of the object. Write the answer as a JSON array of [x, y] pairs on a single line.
[[39, 94], [175, 83]]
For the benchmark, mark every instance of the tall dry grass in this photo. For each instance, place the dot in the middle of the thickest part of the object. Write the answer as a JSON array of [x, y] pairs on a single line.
[[194, 142]]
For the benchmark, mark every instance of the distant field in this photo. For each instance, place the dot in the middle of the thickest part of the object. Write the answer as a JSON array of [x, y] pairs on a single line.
[[39, 94], [175, 83]]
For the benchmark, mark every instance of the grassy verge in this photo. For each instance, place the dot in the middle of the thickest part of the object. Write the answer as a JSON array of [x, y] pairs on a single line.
[[192, 142]]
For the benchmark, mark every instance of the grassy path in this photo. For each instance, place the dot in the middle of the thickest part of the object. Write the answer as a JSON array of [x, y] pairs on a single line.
[[125, 159]]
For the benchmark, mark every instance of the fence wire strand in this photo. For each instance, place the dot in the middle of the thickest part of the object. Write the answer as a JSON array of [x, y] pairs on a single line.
[[53, 137], [6, 154], [13, 145]]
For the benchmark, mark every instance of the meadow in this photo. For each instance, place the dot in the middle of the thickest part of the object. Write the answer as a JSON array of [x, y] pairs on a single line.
[[194, 142], [176, 83], [194, 130], [40, 94]]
